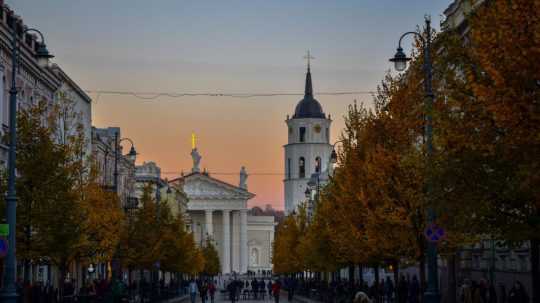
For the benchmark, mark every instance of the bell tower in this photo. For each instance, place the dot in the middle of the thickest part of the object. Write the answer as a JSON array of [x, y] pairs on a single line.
[[308, 149]]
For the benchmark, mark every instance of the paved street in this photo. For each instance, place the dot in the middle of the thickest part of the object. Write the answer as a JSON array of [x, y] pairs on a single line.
[[221, 298]]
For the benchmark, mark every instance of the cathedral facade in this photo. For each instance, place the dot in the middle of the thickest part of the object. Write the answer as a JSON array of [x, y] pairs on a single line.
[[308, 151], [218, 210]]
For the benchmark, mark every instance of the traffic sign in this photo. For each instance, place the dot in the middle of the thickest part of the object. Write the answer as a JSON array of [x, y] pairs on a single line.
[[434, 233], [4, 230], [3, 247]]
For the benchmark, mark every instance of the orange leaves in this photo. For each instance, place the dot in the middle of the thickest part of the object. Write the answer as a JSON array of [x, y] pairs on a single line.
[[103, 222], [285, 247]]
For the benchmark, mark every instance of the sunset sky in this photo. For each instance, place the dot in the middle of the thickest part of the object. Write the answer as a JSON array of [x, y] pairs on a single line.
[[222, 46]]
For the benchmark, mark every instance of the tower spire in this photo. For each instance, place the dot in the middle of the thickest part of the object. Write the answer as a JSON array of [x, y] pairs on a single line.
[[309, 86]]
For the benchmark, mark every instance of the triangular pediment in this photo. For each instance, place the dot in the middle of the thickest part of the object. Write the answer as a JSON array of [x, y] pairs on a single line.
[[203, 187]]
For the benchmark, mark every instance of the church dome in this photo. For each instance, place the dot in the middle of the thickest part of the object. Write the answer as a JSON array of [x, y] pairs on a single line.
[[308, 107]]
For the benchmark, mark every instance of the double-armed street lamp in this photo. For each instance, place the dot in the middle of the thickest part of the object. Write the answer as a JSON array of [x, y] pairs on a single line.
[[42, 55], [132, 155], [400, 60], [128, 204]]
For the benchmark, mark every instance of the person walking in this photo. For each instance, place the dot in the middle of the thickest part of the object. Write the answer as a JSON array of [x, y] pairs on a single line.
[[290, 284], [389, 289], [255, 288], [403, 290], [211, 290], [193, 290], [276, 290], [269, 287], [518, 294], [203, 291], [414, 290], [231, 288]]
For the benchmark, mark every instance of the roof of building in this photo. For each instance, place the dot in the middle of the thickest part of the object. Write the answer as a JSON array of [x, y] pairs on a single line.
[[308, 107], [206, 175]]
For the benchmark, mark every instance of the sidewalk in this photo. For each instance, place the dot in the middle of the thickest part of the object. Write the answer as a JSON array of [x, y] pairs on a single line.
[[183, 298], [296, 298]]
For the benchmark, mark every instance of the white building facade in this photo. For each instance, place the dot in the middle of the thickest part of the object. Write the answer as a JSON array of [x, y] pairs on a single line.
[[219, 211], [308, 150]]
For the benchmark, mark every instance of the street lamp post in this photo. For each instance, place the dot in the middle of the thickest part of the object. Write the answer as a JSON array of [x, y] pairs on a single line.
[[9, 290], [313, 183], [132, 156], [400, 60]]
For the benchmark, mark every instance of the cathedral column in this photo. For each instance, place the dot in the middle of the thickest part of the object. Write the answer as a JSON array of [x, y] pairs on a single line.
[[243, 241], [209, 224], [271, 247], [226, 261]]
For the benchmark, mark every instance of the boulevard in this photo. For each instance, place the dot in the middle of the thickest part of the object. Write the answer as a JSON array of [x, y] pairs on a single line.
[[270, 151]]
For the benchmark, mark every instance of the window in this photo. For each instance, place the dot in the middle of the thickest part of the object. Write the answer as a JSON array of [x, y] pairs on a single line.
[[288, 168], [318, 164], [302, 134], [327, 134], [301, 168]]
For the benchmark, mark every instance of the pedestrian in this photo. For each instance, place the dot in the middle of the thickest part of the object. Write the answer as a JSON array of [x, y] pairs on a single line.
[[211, 290], [231, 288], [361, 297], [465, 292], [255, 288], [414, 290], [476, 293], [203, 291], [518, 294], [290, 290], [269, 287], [502, 292], [262, 287], [276, 289], [193, 290], [389, 289], [403, 290]]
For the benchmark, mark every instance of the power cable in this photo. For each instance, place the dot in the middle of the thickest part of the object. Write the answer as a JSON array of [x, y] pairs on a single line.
[[156, 95]]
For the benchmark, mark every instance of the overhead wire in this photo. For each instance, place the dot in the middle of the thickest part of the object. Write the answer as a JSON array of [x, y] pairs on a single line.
[[156, 95]]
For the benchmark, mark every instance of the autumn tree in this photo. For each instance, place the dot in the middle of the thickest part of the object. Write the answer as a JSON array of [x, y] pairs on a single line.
[[103, 222], [286, 257], [211, 259], [51, 165], [487, 170]]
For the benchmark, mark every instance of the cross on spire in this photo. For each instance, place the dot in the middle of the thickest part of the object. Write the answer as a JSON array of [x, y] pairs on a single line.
[[309, 87], [308, 57]]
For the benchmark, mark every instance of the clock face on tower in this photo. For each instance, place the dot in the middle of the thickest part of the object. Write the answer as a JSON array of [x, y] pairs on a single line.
[[317, 128]]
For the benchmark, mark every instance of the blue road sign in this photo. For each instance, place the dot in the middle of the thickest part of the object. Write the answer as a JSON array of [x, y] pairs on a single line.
[[434, 233], [3, 247]]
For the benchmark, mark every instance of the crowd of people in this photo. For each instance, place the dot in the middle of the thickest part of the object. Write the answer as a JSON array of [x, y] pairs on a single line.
[[406, 290], [205, 288], [482, 291], [235, 289], [99, 290]]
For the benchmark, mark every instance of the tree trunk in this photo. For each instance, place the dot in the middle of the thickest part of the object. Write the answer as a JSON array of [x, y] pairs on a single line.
[[452, 283], [351, 273], [61, 278], [26, 270], [361, 276], [376, 283], [395, 264], [422, 271], [535, 270]]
